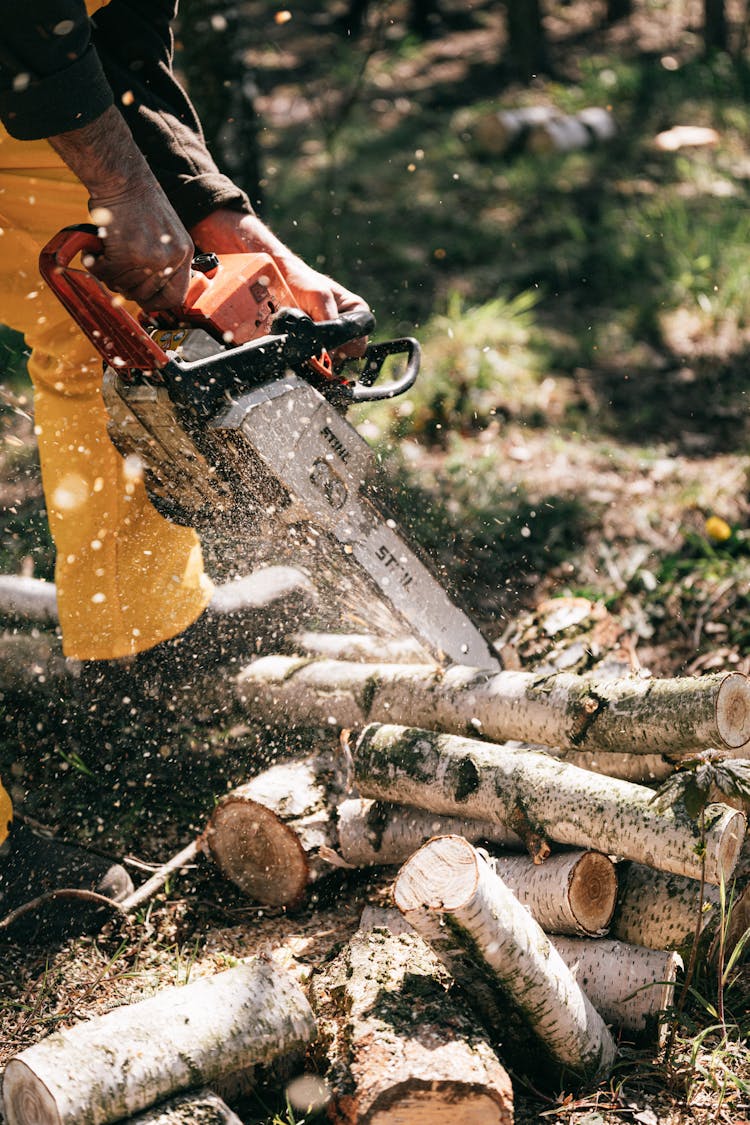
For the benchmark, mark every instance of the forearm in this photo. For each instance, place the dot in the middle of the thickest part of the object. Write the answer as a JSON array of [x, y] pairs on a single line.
[[104, 157]]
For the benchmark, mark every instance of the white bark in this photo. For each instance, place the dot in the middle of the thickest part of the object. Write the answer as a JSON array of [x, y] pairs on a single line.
[[30, 599], [560, 134], [399, 1047], [264, 588], [532, 793], [661, 911], [564, 710], [494, 134], [362, 647], [451, 896], [643, 769], [127, 1060], [570, 893], [371, 833], [200, 1108], [629, 986]]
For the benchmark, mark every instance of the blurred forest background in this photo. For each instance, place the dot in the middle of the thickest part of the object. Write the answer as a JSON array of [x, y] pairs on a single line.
[[553, 197]]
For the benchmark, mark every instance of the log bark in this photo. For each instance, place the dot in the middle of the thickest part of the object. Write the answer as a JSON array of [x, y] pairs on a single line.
[[643, 769], [372, 833], [572, 712], [400, 1048], [570, 893], [362, 647], [266, 836], [127, 1060], [661, 911], [532, 793], [499, 132], [28, 599], [629, 986], [200, 1108], [492, 945]]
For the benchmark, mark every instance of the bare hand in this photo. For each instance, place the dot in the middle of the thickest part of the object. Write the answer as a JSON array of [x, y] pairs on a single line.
[[322, 298], [147, 251]]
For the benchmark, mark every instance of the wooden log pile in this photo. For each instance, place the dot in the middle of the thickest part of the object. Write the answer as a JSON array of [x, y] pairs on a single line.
[[538, 129], [542, 906]]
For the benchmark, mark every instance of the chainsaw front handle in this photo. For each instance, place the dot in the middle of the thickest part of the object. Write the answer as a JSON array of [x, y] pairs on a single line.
[[363, 389], [313, 336], [100, 314]]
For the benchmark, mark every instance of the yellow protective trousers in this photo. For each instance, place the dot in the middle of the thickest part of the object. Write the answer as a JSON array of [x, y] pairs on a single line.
[[126, 577]]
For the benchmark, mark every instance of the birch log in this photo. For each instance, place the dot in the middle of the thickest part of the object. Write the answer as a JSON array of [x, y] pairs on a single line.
[[570, 893], [200, 1108], [629, 986], [363, 647], [534, 794], [372, 833], [492, 945], [399, 1047], [29, 599], [127, 1060], [564, 710], [661, 911], [266, 836], [643, 769]]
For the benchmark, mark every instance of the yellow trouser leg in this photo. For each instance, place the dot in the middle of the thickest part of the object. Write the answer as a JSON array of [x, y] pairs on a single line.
[[126, 577], [6, 813]]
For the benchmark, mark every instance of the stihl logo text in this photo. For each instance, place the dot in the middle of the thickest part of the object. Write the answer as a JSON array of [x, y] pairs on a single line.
[[336, 445], [387, 556]]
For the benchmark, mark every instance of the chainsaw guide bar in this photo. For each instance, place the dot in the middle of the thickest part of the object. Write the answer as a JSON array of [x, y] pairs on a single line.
[[244, 437]]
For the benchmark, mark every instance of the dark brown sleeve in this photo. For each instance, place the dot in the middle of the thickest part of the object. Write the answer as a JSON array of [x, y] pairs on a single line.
[[51, 78], [133, 39]]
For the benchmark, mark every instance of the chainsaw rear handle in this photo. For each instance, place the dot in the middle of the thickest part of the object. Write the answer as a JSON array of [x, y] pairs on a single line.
[[100, 315]]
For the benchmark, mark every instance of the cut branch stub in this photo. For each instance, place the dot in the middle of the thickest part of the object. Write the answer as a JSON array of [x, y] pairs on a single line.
[[492, 945], [458, 776]]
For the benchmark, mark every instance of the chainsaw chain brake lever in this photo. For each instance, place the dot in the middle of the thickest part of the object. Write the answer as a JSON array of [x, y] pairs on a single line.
[[306, 337]]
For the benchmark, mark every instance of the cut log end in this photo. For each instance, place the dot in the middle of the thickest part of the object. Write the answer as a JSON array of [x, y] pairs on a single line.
[[258, 852], [733, 710], [592, 892], [442, 875], [441, 1103], [729, 844], [27, 1101]]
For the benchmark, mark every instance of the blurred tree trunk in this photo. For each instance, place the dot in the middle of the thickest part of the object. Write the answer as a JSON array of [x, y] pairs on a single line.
[[213, 40], [527, 44], [714, 26], [419, 21], [619, 10]]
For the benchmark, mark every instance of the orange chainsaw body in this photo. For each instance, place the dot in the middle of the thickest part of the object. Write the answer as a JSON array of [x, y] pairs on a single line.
[[236, 299]]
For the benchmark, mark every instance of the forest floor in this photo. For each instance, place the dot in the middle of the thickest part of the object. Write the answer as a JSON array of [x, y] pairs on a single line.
[[580, 430]]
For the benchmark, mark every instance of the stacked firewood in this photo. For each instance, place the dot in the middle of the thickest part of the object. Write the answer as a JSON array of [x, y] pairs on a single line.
[[540, 897]]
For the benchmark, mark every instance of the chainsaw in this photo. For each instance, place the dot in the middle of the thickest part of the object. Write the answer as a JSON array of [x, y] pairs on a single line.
[[234, 410]]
